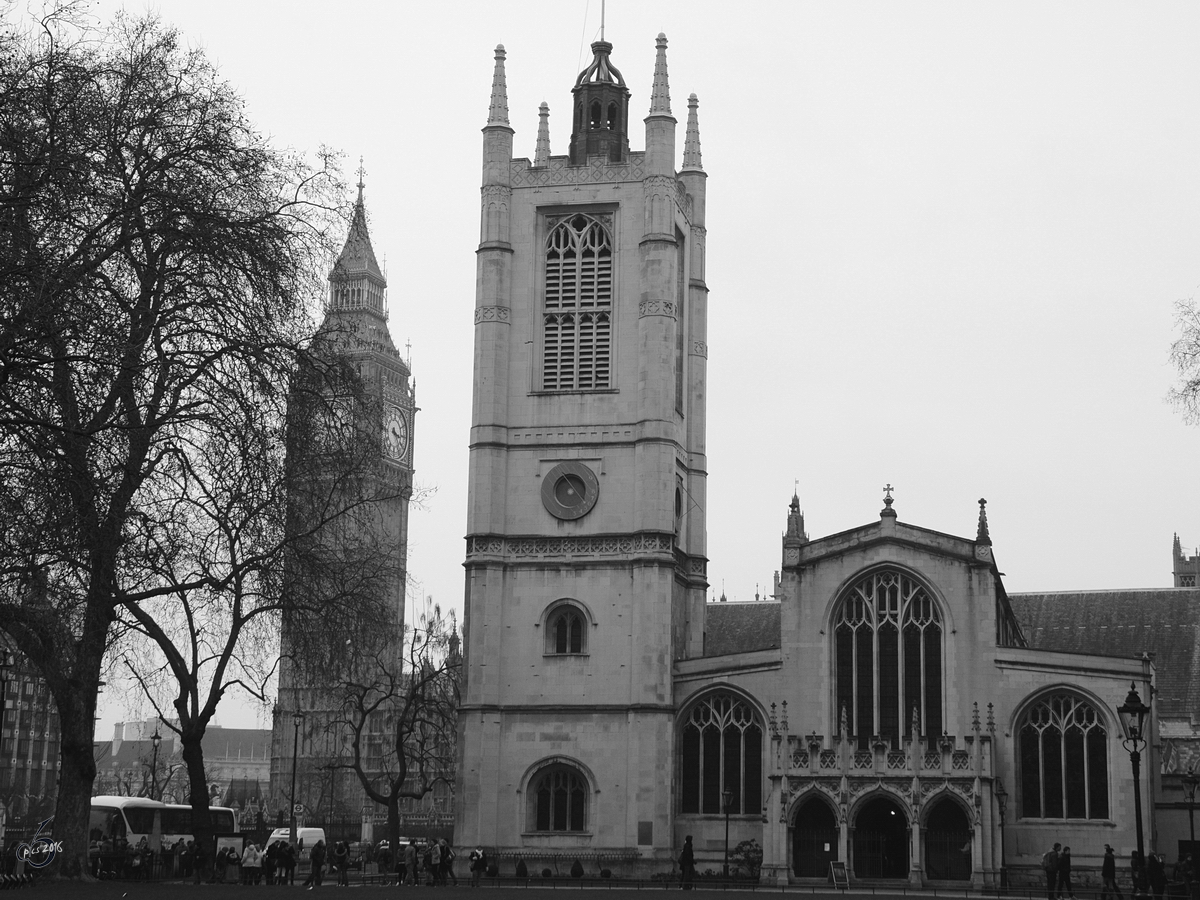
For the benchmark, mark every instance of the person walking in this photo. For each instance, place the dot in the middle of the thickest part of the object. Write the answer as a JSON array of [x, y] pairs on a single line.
[[1050, 867], [1157, 873], [448, 855], [687, 864], [478, 861], [341, 859], [1108, 875], [410, 863], [317, 859], [433, 863], [1064, 874]]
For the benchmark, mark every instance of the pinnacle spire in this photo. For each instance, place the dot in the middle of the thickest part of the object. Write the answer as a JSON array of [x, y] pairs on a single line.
[[541, 154], [982, 536], [660, 94], [498, 110], [691, 141], [358, 256]]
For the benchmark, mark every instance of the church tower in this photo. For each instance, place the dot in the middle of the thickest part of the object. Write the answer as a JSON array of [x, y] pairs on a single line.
[[585, 563], [353, 407]]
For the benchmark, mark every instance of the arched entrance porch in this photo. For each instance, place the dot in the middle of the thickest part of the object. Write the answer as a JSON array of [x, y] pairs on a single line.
[[881, 840], [815, 839], [947, 842]]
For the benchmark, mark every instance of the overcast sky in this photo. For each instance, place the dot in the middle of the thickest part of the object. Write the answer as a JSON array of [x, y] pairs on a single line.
[[945, 241]]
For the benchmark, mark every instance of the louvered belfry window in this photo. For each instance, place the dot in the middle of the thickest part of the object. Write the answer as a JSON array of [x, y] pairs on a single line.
[[577, 324]]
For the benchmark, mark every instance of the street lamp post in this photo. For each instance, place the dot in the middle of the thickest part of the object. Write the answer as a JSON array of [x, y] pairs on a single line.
[[1133, 723], [1190, 782], [727, 801], [1002, 805], [156, 740], [297, 718]]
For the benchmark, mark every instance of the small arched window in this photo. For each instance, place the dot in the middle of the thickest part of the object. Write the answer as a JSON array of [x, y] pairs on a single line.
[[612, 117], [595, 123], [1064, 760], [722, 751], [566, 631], [558, 800]]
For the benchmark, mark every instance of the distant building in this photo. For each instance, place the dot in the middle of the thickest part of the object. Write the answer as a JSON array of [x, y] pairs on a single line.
[[355, 331], [29, 748], [237, 764]]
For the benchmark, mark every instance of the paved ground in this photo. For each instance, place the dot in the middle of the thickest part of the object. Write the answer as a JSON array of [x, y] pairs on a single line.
[[117, 890]]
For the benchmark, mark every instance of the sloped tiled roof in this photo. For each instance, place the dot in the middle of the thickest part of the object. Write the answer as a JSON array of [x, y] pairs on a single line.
[[226, 744], [1164, 622], [741, 627]]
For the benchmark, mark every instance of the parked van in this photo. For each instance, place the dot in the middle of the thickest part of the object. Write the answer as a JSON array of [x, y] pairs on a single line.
[[306, 839]]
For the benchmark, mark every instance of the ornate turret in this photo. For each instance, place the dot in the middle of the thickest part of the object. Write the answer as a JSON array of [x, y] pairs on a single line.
[[356, 281], [541, 153], [600, 120]]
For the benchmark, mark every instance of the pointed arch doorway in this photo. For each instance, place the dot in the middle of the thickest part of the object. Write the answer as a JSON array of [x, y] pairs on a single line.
[[881, 840], [947, 843], [814, 839]]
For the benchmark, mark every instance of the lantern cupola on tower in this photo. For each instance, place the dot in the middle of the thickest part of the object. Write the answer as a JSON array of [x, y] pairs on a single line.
[[600, 120]]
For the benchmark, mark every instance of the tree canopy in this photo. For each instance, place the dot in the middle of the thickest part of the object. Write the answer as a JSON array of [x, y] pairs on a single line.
[[160, 261]]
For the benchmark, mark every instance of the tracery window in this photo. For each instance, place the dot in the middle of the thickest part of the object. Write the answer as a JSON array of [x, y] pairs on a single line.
[[577, 320], [566, 631], [888, 659], [559, 796], [722, 750], [1064, 760]]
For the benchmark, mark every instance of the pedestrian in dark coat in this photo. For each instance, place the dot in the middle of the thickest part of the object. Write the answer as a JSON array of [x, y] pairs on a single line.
[[1050, 867], [1108, 875], [1064, 874], [1157, 873], [687, 864]]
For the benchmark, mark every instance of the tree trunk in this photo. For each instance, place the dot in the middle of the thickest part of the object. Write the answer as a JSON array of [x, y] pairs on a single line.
[[193, 758], [73, 809], [393, 830]]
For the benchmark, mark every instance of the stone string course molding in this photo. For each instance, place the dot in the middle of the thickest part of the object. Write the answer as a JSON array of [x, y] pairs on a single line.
[[557, 171], [588, 547], [492, 314]]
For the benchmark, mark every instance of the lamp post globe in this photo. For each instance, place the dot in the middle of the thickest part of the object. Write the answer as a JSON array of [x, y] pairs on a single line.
[[156, 740]]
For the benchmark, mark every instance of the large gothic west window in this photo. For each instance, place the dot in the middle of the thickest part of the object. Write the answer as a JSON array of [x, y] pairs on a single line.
[[888, 658], [577, 317], [1064, 760], [722, 750]]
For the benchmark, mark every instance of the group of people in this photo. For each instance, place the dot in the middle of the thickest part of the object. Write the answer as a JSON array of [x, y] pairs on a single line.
[[274, 865], [1148, 875]]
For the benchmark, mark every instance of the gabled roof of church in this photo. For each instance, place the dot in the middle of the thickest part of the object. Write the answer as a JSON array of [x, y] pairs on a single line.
[[358, 255], [741, 627], [1164, 622]]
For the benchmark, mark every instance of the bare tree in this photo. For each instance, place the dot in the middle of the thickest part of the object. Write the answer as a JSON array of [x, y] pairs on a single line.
[[399, 716], [155, 251], [1185, 356]]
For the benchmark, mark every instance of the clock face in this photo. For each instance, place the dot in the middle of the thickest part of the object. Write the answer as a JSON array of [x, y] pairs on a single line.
[[395, 432]]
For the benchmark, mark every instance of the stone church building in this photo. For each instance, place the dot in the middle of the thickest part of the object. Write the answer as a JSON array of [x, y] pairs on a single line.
[[885, 709]]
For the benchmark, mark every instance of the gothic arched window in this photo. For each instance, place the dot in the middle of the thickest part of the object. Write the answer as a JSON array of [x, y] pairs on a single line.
[[722, 751], [888, 658], [558, 800], [577, 323], [1064, 760], [566, 630]]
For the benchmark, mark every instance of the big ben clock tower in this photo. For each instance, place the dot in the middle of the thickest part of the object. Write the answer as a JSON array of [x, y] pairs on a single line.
[[585, 558], [353, 340]]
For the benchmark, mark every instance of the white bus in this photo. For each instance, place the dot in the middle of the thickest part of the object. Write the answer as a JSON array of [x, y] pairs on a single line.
[[132, 818]]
